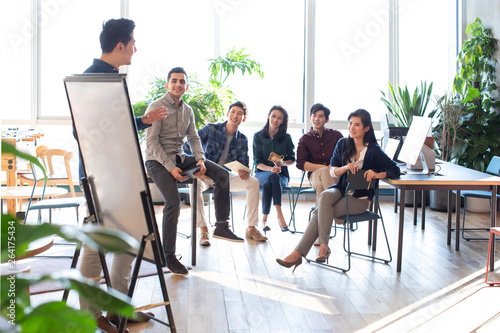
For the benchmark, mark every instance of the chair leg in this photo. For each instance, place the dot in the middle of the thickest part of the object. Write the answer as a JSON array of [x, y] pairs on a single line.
[[231, 203], [467, 229], [348, 251], [386, 261]]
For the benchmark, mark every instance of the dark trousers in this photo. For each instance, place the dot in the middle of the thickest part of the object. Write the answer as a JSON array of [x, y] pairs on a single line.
[[271, 184], [167, 185]]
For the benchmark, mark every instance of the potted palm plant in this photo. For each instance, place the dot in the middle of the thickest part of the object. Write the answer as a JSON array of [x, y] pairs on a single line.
[[210, 99], [402, 107]]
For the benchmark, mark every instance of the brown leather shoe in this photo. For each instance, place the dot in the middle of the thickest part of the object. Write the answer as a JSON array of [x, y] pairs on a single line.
[[204, 238], [255, 235], [104, 324], [142, 318]]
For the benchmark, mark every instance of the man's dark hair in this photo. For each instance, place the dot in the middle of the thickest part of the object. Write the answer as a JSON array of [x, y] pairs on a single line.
[[318, 107], [240, 105], [178, 70], [115, 31]]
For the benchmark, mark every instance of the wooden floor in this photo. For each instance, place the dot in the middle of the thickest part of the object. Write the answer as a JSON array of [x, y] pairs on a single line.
[[239, 287]]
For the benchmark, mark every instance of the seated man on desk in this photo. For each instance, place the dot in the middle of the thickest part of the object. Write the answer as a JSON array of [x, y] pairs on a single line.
[[165, 161], [224, 143]]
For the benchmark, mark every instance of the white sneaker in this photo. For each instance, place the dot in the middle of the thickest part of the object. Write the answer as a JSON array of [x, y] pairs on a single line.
[[204, 238]]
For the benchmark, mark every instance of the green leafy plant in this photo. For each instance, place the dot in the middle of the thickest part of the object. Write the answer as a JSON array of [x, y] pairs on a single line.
[[404, 106], [475, 59], [17, 314], [448, 113], [473, 85], [210, 99]]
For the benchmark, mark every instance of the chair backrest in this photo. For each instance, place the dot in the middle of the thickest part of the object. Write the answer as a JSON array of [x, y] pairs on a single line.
[[357, 181], [37, 175], [41, 151], [63, 179], [494, 166], [67, 155], [37, 172]]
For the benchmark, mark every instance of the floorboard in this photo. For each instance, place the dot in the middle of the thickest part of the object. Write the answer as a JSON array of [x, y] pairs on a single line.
[[239, 287]]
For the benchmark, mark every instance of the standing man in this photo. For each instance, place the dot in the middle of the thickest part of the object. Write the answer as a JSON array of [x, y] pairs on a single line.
[[165, 161], [224, 143], [118, 47], [315, 149]]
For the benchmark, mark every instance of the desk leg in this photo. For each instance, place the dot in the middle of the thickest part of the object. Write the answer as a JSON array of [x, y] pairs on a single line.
[[193, 223], [415, 207], [457, 221], [395, 200], [401, 225], [450, 211], [493, 222], [423, 201]]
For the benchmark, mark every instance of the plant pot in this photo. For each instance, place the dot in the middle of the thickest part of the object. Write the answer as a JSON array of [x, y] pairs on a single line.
[[438, 200], [478, 205]]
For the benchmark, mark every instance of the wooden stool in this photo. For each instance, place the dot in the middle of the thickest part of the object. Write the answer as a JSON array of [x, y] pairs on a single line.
[[493, 232]]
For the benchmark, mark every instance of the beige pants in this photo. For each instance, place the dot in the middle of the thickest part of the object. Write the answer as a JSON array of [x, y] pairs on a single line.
[[236, 184], [321, 180]]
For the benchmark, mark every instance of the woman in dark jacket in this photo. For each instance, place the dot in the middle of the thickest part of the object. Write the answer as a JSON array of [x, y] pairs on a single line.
[[358, 151]]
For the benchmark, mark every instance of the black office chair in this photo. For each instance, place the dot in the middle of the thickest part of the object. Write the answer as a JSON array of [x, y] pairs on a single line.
[[305, 190], [493, 169], [358, 182], [302, 190]]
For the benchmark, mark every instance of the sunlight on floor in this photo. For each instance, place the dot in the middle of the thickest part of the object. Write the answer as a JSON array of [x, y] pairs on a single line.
[[420, 313], [273, 290]]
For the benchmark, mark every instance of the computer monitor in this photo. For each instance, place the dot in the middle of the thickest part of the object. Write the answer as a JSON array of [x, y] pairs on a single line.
[[413, 146], [391, 147]]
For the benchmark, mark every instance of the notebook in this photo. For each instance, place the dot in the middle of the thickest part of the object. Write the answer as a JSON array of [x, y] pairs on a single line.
[[357, 180]]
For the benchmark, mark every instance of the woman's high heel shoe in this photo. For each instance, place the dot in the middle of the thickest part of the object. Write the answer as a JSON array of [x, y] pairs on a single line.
[[285, 228], [266, 228], [290, 264], [325, 258]]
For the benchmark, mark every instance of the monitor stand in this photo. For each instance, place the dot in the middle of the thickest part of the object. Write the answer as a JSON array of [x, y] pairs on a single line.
[[427, 160]]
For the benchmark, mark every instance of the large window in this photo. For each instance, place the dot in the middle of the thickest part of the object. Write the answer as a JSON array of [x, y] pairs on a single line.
[[351, 55], [273, 33], [170, 34], [427, 43], [16, 37], [69, 41]]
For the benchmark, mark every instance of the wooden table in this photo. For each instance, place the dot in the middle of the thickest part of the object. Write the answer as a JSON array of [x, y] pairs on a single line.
[[450, 177], [9, 163], [24, 192]]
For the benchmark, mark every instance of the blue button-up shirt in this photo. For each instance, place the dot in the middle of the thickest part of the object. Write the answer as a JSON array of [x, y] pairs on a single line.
[[213, 139]]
